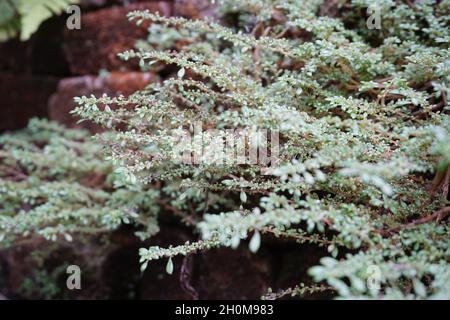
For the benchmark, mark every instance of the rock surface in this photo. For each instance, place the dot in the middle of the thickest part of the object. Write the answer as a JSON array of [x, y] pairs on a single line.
[[193, 9], [41, 55], [22, 98], [156, 283], [104, 34], [113, 84], [232, 274]]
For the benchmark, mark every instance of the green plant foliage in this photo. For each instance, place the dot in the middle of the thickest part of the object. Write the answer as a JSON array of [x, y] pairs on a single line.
[[9, 22], [43, 284], [55, 183], [363, 124], [25, 16]]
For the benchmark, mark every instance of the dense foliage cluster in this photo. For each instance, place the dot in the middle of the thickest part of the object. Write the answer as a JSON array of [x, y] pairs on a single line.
[[362, 159], [55, 183]]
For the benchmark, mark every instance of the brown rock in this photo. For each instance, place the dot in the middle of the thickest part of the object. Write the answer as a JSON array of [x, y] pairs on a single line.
[[93, 3], [293, 264], [120, 272], [89, 4], [156, 283], [23, 97], [114, 84], [42, 54], [193, 9], [104, 34], [32, 260], [232, 274]]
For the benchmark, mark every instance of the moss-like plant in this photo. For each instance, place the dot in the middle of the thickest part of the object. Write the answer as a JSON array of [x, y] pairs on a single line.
[[362, 127]]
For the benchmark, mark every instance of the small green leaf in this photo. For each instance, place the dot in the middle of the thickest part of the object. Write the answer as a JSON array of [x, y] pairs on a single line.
[[169, 266], [255, 242], [243, 197], [181, 73], [235, 242], [419, 288], [144, 266]]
